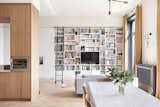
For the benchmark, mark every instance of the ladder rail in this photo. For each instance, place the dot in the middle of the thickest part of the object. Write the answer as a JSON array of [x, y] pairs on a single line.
[[59, 77]]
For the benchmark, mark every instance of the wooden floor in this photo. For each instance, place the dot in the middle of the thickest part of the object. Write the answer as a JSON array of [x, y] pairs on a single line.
[[51, 96]]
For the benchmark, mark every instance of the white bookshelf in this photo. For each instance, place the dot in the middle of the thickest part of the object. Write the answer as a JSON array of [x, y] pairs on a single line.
[[59, 54], [106, 41]]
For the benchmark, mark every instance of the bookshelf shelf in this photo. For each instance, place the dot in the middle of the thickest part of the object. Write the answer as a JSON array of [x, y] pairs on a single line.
[[71, 41]]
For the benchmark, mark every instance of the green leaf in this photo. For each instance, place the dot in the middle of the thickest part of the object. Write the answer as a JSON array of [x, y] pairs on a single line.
[[120, 77]]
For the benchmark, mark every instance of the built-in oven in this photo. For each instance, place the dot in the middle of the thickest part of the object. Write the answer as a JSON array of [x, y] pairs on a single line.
[[20, 63]]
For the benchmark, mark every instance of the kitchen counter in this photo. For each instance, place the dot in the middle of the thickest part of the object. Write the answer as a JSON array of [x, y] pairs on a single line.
[[2, 70]]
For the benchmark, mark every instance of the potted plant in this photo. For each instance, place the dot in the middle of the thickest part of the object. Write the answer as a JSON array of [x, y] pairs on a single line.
[[122, 78]]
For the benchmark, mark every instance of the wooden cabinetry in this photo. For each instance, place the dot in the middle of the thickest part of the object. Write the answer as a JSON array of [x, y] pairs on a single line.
[[17, 85], [20, 16]]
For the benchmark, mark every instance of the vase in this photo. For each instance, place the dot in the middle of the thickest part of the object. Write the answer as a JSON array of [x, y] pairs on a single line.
[[121, 89]]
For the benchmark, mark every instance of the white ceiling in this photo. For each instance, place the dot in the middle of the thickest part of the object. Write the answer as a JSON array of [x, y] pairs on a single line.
[[78, 7], [89, 7]]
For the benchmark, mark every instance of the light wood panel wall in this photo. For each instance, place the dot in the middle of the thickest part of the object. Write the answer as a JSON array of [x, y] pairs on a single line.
[[35, 51], [138, 36], [17, 85], [158, 50], [123, 41]]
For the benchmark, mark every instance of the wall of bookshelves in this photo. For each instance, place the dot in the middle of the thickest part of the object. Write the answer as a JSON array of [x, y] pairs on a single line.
[[71, 41]]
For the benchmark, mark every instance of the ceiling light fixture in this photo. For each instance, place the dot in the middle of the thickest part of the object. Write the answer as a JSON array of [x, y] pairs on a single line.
[[109, 1]]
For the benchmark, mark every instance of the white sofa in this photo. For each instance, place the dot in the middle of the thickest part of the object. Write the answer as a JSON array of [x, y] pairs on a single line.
[[82, 78]]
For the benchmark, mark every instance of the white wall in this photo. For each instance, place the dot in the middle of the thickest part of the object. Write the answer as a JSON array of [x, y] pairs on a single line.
[[108, 21], [36, 3], [47, 51], [1, 44], [7, 44], [149, 25], [47, 35], [4, 44]]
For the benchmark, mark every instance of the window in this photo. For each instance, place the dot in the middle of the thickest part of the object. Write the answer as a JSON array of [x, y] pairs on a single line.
[[130, 38]]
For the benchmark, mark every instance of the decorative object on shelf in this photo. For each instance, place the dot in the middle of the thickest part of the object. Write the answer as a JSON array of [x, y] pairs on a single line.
[[122, 78], [69, 55]]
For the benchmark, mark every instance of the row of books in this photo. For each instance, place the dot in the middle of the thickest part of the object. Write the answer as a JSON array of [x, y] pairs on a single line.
[[76, 30]]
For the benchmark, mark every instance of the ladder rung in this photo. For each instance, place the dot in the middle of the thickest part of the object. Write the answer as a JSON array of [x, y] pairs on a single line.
[[59, 76]]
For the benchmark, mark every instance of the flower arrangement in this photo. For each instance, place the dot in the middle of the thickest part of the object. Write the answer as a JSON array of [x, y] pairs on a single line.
[[120, 77]]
